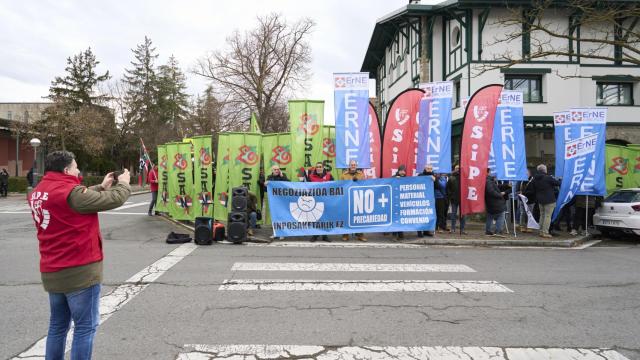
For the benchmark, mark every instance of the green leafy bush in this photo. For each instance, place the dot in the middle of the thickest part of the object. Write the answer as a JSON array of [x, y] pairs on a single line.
[[18, 184]]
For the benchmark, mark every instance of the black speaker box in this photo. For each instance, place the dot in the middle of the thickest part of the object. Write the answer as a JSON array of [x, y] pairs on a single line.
[[240, 190], [237, 226], [203, 233], [239, 199]]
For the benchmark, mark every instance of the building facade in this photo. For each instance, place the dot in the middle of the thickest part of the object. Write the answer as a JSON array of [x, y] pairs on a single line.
[[16, 155], [463, 41]]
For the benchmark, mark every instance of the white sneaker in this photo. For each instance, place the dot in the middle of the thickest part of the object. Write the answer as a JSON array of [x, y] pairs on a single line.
[[573, 233]]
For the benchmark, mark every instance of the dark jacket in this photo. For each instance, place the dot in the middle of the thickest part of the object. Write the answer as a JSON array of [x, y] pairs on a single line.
[[453, 188], [440, 187], [527, 189], [493, 199], [281, 177], [544, 186], [252, 203], [4, 178]]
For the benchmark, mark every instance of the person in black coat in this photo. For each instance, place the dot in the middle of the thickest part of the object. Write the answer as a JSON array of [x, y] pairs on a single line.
[[495, 205], [428, 171], [526, 189], [545, 190], [453, 192], [4, 182]]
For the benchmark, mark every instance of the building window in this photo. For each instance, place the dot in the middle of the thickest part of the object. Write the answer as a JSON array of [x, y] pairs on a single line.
[[455, 37], [456, 93], [530, 85], [614, 94], [9, 115]]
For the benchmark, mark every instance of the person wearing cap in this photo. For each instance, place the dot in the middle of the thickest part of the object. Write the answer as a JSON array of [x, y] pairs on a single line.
[[353, 174]]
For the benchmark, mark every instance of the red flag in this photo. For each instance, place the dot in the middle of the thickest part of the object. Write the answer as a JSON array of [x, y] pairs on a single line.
[[475, 147], [400, 142], [374, 137]]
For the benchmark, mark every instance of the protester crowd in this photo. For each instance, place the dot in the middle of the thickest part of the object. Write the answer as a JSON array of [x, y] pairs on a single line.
[[540, 192]]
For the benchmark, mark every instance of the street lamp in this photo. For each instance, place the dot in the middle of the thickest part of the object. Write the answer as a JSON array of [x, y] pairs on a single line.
[[35, 142]]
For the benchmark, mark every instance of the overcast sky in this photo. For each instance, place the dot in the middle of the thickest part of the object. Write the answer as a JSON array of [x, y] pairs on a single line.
[[38, 36]]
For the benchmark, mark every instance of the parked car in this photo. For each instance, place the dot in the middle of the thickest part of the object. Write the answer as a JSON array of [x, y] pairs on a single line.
[[620, 212]]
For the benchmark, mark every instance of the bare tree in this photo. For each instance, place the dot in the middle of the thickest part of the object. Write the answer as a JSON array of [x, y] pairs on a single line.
[[260, 68], [126, 144], [601, 30]]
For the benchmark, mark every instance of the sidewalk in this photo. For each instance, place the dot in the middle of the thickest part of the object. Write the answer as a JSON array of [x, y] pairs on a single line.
[[475, 237]]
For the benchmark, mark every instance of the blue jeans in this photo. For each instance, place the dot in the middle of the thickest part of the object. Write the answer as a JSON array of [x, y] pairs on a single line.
[[253, 219], [498, 218], [83, 308], [454, 216]]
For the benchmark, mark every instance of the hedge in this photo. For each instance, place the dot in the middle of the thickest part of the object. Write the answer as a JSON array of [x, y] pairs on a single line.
[[18, 184]]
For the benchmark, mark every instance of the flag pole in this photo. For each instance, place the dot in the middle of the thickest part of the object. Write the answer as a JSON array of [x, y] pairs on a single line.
[[513, 207], [586, 218]]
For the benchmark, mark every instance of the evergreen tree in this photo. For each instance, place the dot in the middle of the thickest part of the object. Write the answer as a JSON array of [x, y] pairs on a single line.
[[173, 100], [77, 113], [78, 86], [142, 92]]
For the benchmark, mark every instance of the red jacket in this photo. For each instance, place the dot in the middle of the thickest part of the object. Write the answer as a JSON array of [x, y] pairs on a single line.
[[67, 238], [314, 177], [153, 180]]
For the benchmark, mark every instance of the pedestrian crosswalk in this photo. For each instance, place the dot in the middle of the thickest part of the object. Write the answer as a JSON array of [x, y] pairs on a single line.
[[210, 352], [367, 284]]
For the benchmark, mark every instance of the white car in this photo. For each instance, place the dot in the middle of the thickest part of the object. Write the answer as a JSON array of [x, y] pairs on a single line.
[[620, 212]]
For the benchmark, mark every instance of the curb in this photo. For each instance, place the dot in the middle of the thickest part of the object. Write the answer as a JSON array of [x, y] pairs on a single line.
[[568, 244], [505, 242]]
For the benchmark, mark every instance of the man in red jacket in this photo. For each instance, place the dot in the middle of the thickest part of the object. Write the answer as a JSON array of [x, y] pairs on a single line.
[[66, 219], [153, 186], [319, 174]]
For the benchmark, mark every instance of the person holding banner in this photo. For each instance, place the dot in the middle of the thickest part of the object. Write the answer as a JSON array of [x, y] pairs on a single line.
[[318, 174], [495, 205], [402, 172], [153, 186], [453, 193], [353, 174], [442, 202], [428, 171], [526, 189], [276, 175], [544, 186]]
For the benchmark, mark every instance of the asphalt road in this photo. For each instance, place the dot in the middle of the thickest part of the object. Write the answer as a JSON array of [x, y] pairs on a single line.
[[329, 301]]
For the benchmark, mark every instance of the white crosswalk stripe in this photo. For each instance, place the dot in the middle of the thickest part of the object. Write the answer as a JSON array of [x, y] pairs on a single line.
[[210, 352], [350, 267], [436, 286], [440, 286]]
